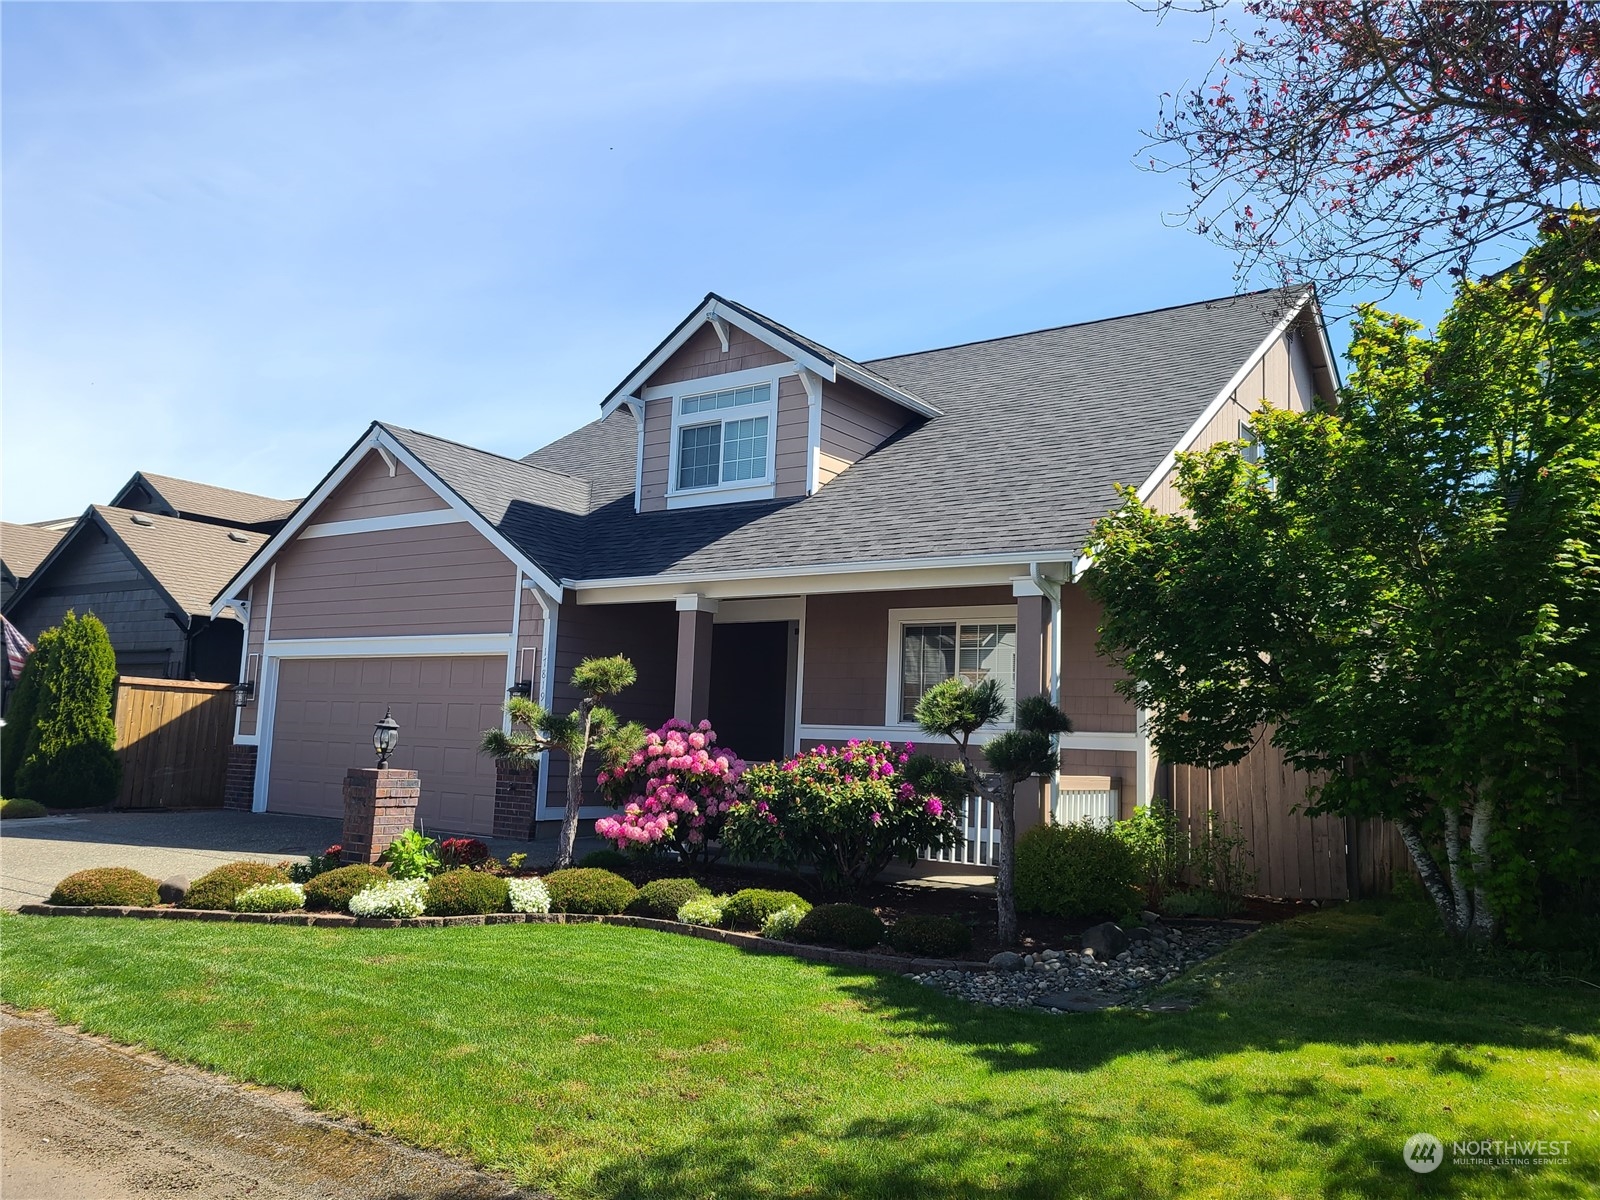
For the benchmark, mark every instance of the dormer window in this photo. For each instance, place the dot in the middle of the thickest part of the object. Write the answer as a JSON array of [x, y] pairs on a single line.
[[722, 441]]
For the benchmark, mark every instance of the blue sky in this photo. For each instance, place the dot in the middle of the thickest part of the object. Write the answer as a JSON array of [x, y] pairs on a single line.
[[234, 234]]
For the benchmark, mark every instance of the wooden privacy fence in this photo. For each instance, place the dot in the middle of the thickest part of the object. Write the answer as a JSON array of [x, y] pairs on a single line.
[[1308, 858], [173, 737]]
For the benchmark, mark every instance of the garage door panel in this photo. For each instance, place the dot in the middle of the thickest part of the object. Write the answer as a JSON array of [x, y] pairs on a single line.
[[323, 720]]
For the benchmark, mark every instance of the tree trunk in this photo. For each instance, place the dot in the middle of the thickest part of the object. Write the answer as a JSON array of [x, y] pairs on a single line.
[[1432, 881], [575, 759], [1458, 878], [1005, 875], [1485, 923]]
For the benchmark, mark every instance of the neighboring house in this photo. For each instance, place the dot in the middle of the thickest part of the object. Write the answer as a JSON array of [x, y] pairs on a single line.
[[22, 549], [150, 578], [202, 502], [784, 540]]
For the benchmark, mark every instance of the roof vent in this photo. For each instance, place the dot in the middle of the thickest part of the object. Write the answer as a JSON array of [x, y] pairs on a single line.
[[235, 536], [139, 520]]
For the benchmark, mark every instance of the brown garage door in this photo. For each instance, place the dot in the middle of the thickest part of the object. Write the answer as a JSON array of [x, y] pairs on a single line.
[[323, 725]]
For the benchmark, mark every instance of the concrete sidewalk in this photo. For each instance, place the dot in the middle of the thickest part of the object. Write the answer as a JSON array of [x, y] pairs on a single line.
[[37, 854]]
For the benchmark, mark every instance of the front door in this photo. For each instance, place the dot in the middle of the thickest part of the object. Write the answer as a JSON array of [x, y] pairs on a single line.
[[750, 687]]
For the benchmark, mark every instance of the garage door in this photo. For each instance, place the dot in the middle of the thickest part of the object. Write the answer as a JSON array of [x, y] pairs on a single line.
[[323, 725]]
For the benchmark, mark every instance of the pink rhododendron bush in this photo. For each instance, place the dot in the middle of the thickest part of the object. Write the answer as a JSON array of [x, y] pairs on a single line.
[[849, 811], [675, 791]]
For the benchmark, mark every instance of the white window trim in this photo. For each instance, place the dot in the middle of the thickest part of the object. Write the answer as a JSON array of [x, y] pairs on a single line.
[[900, 617], [723, 493]]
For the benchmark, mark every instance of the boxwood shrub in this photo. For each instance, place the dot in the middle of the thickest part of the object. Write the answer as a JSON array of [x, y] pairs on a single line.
[[1079, 870], [589, 890], [462, 891], [106, 885], [662, 898], [331, 890], [12, 807], [217, 888], [935, 937], [750, 908], [848, 925], [270, 898]]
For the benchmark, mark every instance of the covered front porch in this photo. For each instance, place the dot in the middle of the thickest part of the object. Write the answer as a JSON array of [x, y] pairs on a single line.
[[777, 674]]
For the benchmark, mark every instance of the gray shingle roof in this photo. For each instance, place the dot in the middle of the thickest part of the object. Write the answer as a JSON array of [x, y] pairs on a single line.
[[187, 497], [190, 560], [24, 547], [1036, 430]]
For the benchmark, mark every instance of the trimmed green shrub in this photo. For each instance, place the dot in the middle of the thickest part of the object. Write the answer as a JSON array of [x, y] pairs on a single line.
[[848, 925], [70, 759], [934, 937], [331, 891], [1198, 904], [750, 908], [702, 910], [662, 898], [606, 860], [270, 898], [462, 891], [781, 924], [216, 889], [17, 808], [589, 890], [107, 885], [1079, 870]]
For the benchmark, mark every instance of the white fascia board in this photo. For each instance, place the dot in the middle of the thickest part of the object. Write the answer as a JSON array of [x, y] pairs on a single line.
[[1021, 559], [1089, 740], [410, 520], [1221, 398], [413, 646]]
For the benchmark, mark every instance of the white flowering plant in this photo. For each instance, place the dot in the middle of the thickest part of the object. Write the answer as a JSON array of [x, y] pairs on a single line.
[[528, 895], [270, 898], [702, 910], [781, 924], [397, 898]]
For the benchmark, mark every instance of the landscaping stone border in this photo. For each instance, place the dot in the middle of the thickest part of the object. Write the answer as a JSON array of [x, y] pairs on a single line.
[[752, 942]]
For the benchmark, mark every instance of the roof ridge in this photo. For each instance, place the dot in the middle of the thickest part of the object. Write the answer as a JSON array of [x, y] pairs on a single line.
[[182, 522], [1147, 312], [216, 487]]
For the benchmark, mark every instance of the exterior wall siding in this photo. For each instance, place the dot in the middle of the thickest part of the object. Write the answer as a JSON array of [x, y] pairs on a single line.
[[792, 439], [438, 579], [854, 424], [702, 356], [1284, 378], [370, 491], [647, 634], [1088, 681], [254, 640]]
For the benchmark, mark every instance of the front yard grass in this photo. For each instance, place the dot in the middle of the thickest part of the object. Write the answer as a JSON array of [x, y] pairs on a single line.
[[611, 1062]]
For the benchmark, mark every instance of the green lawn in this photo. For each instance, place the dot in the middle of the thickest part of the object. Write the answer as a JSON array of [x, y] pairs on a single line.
[[600, 1061]]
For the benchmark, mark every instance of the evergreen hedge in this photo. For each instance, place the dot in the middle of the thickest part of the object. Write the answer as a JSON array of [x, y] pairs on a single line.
[[70, 758]]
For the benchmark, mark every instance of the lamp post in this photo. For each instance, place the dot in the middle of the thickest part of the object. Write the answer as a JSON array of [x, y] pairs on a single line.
[[385, 737]]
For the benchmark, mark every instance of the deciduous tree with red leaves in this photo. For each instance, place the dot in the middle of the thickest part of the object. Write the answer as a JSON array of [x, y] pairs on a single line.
[[1364, 143]]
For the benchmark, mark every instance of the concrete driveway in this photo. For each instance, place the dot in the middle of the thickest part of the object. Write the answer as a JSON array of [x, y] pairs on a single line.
[[37, 854]]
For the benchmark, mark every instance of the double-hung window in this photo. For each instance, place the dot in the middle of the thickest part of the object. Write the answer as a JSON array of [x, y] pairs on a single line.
[[724, 438], [934, 648]]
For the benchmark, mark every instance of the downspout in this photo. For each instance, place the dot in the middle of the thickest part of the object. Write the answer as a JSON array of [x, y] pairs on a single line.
[[1052, 590]]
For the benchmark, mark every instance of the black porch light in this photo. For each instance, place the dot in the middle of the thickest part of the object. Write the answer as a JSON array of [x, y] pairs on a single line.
[[523, 688], [385, 737], [243, 692]]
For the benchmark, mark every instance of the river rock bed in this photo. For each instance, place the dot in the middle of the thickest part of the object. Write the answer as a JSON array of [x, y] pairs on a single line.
[[1083, 981]]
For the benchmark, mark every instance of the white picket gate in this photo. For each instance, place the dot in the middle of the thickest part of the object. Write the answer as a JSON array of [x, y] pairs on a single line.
[[979, 843]]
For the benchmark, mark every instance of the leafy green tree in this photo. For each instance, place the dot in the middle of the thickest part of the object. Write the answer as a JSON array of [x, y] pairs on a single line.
[[956, 709], [537, 729], [1405, 591], [69, 759]]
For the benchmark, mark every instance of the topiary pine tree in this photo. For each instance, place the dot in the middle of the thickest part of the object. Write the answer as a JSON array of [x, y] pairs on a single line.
[[539, 730], [71, 757], [956, 710]]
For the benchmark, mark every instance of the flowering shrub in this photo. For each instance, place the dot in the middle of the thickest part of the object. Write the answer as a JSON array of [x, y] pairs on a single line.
[[847, 810], [782, 924], [702, 910], [528, 895], [675, 790], [458, 852], [397, 898], [270, 898]]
